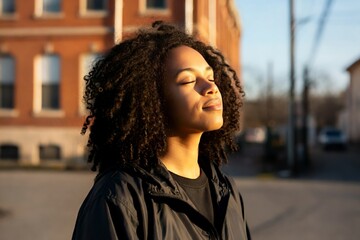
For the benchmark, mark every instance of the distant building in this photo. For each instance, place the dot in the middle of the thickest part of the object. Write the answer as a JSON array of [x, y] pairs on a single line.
[[47, 46], [350, 118]]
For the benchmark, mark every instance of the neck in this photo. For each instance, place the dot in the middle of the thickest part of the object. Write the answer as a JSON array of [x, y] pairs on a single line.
[[182, 154]]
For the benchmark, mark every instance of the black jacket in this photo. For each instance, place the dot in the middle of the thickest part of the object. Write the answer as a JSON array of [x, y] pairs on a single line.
[[131, 203]]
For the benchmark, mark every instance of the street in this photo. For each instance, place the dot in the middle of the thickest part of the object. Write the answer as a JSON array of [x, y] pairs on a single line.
[[40, 204], [300, 209], [324, 203]]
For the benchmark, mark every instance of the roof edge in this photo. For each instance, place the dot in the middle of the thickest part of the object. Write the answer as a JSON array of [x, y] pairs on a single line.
[[353, 65], [234, 13]]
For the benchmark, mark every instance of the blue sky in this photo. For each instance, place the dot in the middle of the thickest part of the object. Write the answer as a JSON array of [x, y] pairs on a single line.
[[265, 42]]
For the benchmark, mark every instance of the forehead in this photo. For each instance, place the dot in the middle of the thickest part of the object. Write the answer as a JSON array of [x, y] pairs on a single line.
[[183, 57]]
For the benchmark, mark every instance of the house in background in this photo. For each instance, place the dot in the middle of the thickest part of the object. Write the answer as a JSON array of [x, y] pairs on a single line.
[[349, 120], [47, 46]]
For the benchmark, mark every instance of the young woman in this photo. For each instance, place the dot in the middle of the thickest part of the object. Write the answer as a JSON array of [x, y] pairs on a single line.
[[163, 108]]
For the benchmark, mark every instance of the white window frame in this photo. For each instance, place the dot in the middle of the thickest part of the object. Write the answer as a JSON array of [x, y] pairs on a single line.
[[40, 13], [150, 11], [84, 12], [85, 66], [38, 110]]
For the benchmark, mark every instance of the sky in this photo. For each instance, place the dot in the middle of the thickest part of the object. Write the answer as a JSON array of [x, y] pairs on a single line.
[[265, 44]]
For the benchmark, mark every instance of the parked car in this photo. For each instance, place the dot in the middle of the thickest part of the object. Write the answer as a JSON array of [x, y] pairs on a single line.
[[255, 135], [332, 138]]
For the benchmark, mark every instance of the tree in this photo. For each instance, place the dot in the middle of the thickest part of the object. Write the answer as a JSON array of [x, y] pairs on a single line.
[[326, 108]]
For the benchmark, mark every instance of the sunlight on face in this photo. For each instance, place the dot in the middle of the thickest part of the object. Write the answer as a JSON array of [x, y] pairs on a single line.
[[193, 101]]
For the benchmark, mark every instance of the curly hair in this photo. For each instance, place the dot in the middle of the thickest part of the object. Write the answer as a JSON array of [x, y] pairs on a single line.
[[125, 98]]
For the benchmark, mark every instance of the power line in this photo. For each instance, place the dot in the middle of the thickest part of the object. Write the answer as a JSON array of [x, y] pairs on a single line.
[[320, 29], [306, 87]]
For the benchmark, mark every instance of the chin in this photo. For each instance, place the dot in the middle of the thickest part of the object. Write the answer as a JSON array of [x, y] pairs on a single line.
[[214, 126]]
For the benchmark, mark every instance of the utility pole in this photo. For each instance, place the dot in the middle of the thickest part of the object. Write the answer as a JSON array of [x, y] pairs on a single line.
[[291, 148], [305, 106], [269, 95]]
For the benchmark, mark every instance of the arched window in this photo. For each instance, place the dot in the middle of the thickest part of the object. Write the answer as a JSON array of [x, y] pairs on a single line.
[[50, 152], [9, 152]]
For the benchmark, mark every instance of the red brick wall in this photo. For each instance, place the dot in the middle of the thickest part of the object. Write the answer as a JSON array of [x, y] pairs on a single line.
[[25, 48]]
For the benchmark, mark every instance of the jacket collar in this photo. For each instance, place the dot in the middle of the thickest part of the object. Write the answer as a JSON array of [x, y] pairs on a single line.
[[160, 181]]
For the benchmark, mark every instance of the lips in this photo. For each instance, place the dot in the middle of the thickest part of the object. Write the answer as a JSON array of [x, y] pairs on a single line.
[[213, 104]]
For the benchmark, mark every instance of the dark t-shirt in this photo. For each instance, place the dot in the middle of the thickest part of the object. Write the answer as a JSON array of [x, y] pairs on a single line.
[[199, 193]]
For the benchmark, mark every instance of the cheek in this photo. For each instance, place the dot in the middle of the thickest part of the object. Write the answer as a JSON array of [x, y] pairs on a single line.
[[180, 106]]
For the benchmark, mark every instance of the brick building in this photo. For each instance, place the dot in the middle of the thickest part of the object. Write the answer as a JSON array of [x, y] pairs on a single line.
[[46, 47]]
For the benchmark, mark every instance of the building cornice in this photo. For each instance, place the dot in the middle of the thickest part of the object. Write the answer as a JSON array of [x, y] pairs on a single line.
[[54, 31]]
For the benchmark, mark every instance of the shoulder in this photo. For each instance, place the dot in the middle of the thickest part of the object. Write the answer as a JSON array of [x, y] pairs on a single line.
[[116, 187], [116, 197], [119, 181]]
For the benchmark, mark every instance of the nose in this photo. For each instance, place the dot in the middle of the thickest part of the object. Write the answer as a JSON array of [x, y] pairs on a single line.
[[209, 87]]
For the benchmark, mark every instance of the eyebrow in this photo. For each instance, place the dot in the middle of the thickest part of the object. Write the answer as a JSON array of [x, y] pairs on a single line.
[[189, 69]]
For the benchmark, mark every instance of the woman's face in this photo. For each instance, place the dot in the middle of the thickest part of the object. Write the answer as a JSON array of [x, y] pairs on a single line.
[[193, 101]]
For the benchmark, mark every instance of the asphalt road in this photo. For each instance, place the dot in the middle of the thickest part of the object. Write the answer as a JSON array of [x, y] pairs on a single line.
[[322, 204], [302, 210], [40, 205]]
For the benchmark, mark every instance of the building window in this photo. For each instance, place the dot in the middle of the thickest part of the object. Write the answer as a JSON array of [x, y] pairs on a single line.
[[96, 5], [93, 8], [50, 152], [9, 152], [150, 7], [7, 79], [48, 82], [7, 7], [87, 62], [51, 6], [48, 8], [156, 4]]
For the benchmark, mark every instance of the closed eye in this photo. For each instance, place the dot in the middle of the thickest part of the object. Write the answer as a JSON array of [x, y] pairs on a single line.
[[188, 82], [193, 81]]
